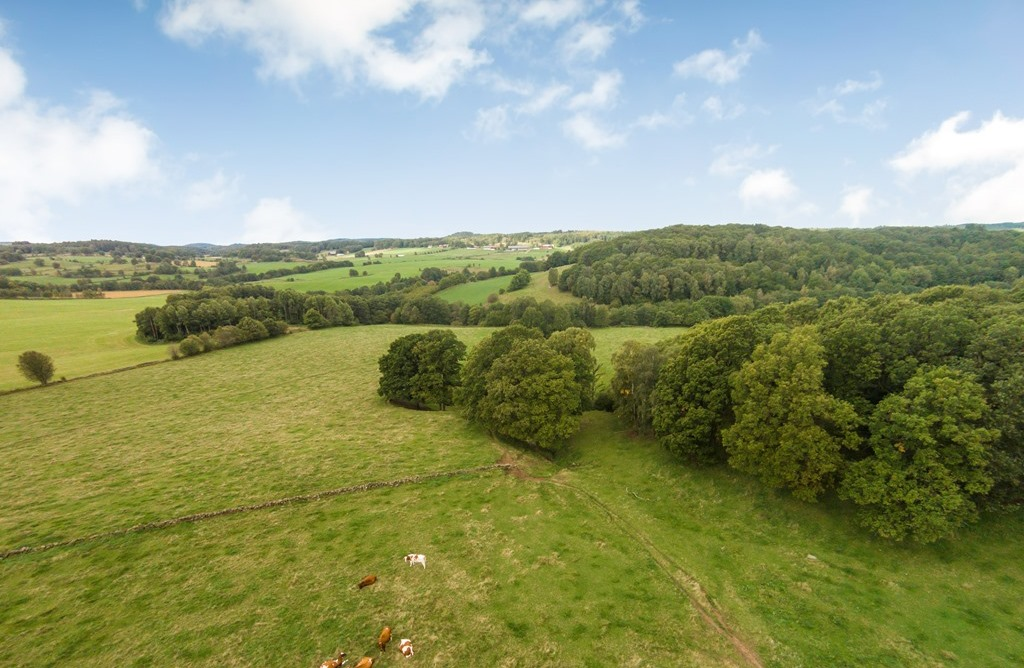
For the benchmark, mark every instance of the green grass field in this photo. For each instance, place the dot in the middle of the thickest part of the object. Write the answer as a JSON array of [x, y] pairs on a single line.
[[478, 291], [593, 560], [406, 261], [82, 336]]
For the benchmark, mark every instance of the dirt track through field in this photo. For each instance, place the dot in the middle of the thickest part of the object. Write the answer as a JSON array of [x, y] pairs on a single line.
[[683, 581], [198, 517]]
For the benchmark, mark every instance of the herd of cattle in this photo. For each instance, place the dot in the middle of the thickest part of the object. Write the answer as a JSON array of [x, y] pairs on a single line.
[[404, 645]]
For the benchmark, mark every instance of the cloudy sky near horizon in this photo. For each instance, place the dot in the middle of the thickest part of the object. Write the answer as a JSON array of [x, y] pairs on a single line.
[[183, 121]]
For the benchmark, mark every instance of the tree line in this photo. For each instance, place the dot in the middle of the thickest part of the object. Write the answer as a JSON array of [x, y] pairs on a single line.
[[770, 264], [911, 407]]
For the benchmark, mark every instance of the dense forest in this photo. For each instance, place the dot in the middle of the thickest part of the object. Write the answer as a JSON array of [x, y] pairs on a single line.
[[772, 264], [911, 407]]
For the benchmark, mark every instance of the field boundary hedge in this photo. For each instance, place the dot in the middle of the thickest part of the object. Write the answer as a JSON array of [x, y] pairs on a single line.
[[288, 500]]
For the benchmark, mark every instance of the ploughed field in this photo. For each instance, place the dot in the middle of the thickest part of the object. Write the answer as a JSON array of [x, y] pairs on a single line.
[[615, 554]]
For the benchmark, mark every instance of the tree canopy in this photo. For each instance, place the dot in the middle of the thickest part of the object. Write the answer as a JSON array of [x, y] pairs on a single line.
[[422, 369]]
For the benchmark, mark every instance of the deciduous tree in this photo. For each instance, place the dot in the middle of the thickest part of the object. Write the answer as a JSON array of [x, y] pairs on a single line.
[[36, 366]]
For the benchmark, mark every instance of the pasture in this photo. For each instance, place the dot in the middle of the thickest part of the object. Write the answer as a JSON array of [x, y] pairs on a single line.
[[406, 262], [478, 291], [82, 336], [615, 554]]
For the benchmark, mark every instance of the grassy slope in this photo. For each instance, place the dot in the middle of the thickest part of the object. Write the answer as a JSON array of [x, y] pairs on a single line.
[[517, 568], [522, 572], [478, 291], [81, 335]]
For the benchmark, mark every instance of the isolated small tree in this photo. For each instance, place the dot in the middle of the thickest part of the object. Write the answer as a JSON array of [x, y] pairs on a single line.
[[36, 366]]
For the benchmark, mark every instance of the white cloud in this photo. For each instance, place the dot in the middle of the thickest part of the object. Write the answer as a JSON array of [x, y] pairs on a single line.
[[588, 41], [717, 67], [544, 100], [719, 111], [12, 79], [140, 5], [602, 95], [986, 166], [590, 134], [856, 203], [275, 219], [996, 200], [767, 185], [677, 116], [211, 193], [830, 102], [999, 141], [349, 39], [854, 86], [491, 124], [630, 9], [733, 159], [52, 155], [552, 12]]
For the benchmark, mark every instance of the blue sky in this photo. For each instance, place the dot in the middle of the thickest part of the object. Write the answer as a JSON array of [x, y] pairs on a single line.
[[267, 120]]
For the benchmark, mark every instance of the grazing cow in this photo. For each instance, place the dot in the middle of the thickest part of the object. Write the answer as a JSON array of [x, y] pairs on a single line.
[[367, 581], [334, 663], [384, 638], [413, 559], [365, 662], [405, 647]]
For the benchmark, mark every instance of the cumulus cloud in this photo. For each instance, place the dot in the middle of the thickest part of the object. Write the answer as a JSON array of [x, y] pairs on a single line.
[[602, 95], [985, 166], [677, 116], [211, 193], [551, 13], [854, 86], [591, 134], [718, 67], [588, 41], [767, 185], [275, 220], [52, 155], [856, 203], [349, 39]]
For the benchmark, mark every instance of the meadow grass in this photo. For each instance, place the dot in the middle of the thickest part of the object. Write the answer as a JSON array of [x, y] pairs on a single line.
[[477, 292], [406, 262], [579, 565], [82, 336], [803, 583]]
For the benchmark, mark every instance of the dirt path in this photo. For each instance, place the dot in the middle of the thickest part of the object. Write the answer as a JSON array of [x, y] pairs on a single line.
[[683, 581]]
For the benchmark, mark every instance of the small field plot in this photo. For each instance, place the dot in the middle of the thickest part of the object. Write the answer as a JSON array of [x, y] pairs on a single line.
[[82, 336]]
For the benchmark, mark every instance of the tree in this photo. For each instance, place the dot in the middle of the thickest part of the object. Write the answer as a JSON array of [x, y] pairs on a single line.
[[473, 387], [36, 366], [422, 369], [930, 458], [314, 319], [789, 431], [636, 374], [531, 395], [692, 402], [578, 345], [519, 281]]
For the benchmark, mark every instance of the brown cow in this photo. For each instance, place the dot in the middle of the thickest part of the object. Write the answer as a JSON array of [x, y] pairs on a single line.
[[367, 581], [384, 638], [334, 663], [365, 662]]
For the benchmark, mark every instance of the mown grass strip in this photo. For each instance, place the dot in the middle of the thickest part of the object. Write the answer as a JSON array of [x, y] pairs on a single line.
[[275, 503]]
